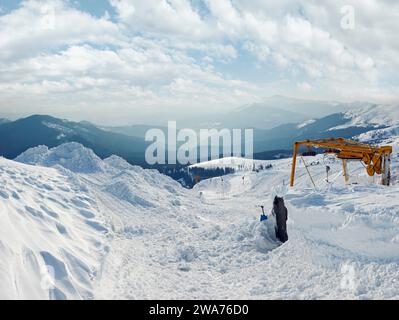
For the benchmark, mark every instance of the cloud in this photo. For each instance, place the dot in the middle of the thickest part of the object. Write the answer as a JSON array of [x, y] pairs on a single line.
[[40, 26], [180, 55], [304, 86], [176, 18], [124, 79]]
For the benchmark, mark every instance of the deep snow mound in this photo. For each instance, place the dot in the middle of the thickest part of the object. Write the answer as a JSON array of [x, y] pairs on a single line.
[[118, 163], [144, 188], [33, 156], [72, 156], [52, 236], [255, 235], [124, 191], [140, 187]]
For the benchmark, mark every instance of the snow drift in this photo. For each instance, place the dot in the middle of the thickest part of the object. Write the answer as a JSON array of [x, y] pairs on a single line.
[[52, 237], [71, 156]]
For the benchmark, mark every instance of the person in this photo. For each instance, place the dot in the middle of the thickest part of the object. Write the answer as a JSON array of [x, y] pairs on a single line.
[[280, 212]]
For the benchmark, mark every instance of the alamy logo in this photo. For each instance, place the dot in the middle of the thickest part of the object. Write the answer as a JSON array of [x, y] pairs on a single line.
[[348, 18], [187, 146]]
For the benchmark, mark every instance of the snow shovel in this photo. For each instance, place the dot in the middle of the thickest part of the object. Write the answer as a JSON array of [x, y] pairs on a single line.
[[263, 217]]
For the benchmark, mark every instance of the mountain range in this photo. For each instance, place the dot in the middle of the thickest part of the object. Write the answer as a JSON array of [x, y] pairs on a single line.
[[278, 110], [271, 112], [267, 113], [22, 134], [129, 143]]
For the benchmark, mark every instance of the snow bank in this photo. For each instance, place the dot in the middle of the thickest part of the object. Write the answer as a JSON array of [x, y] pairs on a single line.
[[50, 237], [56, 223], [118, 163], [124, 191], [34, 155], [72, 156]]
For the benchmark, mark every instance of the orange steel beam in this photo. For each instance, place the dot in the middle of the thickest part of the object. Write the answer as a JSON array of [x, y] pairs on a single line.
[[372, 156]]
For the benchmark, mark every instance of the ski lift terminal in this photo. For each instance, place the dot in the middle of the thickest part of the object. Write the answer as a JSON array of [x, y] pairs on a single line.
[[376, 159]]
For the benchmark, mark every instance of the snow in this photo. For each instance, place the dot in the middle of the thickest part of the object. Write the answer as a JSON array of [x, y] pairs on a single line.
[[305, 123], [117, 162], [103, 229], [236, 163], [63, 130], [73, 156], [34, 155], [48, 244], [373, 116]]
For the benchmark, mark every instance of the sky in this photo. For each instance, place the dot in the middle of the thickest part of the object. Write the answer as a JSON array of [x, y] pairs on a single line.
[[130, 61]]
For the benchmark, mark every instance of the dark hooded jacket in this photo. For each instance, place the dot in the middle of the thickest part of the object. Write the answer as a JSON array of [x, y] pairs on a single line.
[[281, 213]]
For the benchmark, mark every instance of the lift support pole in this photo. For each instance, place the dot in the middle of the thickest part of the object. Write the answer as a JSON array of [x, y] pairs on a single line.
[[293, 169], [345, 170]]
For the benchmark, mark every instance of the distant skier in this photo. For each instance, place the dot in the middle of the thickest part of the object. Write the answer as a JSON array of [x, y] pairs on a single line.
[[281, 213]]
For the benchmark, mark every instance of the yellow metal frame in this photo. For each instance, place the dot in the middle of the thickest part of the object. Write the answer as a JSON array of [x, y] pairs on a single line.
[[375, 158]]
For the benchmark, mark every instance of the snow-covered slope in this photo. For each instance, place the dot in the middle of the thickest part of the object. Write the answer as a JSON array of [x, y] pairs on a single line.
[[384, 119], [383, 115], [236, 163], [57, 222], [334, 231], [123, 232], [52, 236]]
